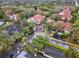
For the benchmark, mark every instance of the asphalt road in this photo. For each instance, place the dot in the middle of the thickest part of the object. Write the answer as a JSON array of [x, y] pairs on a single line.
[[49, 50], [54, 52], [32, 56], [12, 52]]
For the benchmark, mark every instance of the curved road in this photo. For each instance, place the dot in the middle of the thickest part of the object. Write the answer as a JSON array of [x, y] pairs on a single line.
[[55, 53]]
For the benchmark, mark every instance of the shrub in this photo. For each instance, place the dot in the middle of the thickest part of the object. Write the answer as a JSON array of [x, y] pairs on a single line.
[[73, 52], [39, 42], [2, 14], [6, 43], [18, 36], [27, 13]]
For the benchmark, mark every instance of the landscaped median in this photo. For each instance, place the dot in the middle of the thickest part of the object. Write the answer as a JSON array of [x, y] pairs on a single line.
[[64, 47], [60, 48]]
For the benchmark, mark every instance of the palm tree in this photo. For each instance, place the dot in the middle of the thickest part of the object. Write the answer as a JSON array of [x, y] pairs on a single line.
[[17, 36], [27, 46], [28, 30]]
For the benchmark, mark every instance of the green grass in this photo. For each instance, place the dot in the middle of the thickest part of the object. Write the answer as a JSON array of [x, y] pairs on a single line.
[[60, 48]]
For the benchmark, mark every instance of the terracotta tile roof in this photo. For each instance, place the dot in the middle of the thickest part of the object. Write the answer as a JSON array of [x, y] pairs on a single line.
[[66, 13], [38, 18], [67, 26]]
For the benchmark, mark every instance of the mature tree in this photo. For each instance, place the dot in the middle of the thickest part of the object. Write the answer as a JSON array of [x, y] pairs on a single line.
[[73, 52], [2, 14], [6, 43], [26, 31], [28, 46], [39, 43], [17, 36]]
